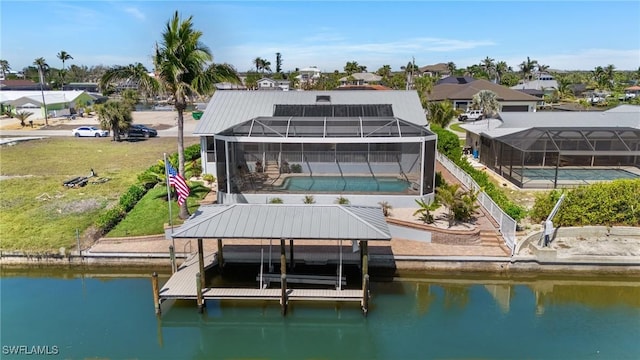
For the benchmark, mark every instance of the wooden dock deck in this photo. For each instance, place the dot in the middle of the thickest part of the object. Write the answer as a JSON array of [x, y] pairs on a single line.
[[182, 285]]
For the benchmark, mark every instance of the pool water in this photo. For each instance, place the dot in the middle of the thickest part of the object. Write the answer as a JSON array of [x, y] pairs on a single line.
[[346, 183], [578, 174]]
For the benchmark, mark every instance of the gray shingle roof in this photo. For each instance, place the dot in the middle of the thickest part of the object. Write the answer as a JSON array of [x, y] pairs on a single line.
[[446, 91], [230, 108], [279, 221]]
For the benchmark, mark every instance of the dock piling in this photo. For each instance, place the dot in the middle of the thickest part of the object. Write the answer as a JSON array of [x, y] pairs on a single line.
[[283, 295], [172, 255], [203, 279], [220, 255], [156, 292], [365, 295], [199, 299]]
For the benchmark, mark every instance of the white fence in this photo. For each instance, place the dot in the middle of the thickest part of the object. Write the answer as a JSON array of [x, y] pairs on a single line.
[[507, 224]]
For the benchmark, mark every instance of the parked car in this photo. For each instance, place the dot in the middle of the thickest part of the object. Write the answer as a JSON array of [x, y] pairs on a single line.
[[138, 130], [471, 115], [90, 131]]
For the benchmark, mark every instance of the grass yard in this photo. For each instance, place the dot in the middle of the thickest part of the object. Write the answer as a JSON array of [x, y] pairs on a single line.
[[38, 213]]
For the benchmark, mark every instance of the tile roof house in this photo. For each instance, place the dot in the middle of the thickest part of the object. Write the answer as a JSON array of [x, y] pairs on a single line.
[[440, 70], [461, 90], [360, 79], [21, 84]]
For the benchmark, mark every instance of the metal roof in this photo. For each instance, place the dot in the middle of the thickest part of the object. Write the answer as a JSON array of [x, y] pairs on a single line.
[[327, 127], [280, 221], [230, 108]]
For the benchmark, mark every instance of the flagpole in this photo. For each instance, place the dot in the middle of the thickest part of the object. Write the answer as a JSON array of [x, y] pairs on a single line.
[[166, 175]]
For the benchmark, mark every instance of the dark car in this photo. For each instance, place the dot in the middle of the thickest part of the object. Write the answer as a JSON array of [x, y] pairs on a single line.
[[138, 130]]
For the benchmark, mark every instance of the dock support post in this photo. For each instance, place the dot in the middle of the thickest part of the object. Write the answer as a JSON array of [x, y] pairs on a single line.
[[220, 255], [364, 248], [202, 276], [283, 295], [283, 258], [291, 262], [365, 295], [172, 256], [199, 299], [156, 292]]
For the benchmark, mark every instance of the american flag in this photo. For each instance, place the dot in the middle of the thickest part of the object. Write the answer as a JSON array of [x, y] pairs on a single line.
[[176, 180]]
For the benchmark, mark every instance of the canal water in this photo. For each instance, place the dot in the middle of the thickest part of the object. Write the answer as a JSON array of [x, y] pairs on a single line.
[[106, 315]]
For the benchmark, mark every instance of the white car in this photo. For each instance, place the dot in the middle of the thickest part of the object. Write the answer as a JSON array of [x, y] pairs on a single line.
[[90, 131], [471, 115]]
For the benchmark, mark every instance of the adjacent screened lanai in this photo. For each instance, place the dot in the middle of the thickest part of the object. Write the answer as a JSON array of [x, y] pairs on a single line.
[[538, 156], [559, 149], [355, 148]]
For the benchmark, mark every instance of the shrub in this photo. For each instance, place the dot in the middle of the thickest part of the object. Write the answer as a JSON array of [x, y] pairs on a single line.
[[386, 208], [275, 201], [296, 168], [342, 201], [208, 178], [309, 199], [110, 218], [130, 198], [192, 152]]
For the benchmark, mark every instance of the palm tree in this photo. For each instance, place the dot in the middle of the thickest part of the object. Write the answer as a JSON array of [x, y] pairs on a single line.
[[258, 63], [441, 113], [451, 66], [488, 66], [384, 71], [22, 116], [266, 65], [278, 63], [4, 68], [527, 67], [351, 67], [425, 209], [130, 73], [410, 70], [42, 66], [609, 74], [487, 101], [540, 68], [181, 69], [501, 69], [64, 56], [115, 116]]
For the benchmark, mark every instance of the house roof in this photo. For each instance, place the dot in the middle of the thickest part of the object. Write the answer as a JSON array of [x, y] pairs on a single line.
[[17, 97], [513, 122], [363, 87], [446, 91], [537, 85], [456, 80], [280, 221], [229, 108], [363, 76], [439, 68]]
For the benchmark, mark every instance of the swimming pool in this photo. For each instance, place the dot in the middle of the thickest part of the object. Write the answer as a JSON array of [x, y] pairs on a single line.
[[344, 184], [579, 174]]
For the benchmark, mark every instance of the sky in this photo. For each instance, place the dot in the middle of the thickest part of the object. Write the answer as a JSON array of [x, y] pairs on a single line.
[[571, 35]]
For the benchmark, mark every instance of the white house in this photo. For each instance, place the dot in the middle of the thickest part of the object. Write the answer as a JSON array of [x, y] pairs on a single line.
[[272, 84]]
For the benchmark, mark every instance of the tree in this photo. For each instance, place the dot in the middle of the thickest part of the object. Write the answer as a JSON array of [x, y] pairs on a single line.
[[451, 66], [278, 63], [609, 74], [258, 63], [410, 70], [351, 67], [181, 66], [130, 97], [489, 67], [487, 101], [441, 113], [501, 69], [527, 67], [64, 56], [4, 68], [42, 66], [132, 72], [424, 85], [266, 65], [115, 116], [22, 116], [384, 71], [425, 209]]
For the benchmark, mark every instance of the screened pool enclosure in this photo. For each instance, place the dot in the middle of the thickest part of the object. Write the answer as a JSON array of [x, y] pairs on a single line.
[[326, 149], [556, 157]]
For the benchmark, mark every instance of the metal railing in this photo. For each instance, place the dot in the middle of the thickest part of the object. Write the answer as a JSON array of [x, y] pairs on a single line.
[[506, 223]]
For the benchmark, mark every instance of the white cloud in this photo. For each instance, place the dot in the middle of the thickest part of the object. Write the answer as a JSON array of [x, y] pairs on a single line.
[[135, 12]]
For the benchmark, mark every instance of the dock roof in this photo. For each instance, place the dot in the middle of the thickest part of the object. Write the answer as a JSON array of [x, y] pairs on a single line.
[[284, 221]]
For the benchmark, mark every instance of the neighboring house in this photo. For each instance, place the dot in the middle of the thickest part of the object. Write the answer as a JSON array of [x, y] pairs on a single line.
[[360, 79], [543, 82], [460, 90], [558, 149], [440, 70], [363, 87], [271, 84], [229, 86], [21, 85], [262, 145], [308, 75], [57, 102], [82, 86]]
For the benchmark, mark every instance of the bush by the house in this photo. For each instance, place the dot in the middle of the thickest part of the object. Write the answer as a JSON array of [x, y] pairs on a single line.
[[614, 203], [130, 198]]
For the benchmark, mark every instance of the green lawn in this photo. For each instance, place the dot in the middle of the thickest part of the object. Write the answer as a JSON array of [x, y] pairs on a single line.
[[38, 213], [456, 127]]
